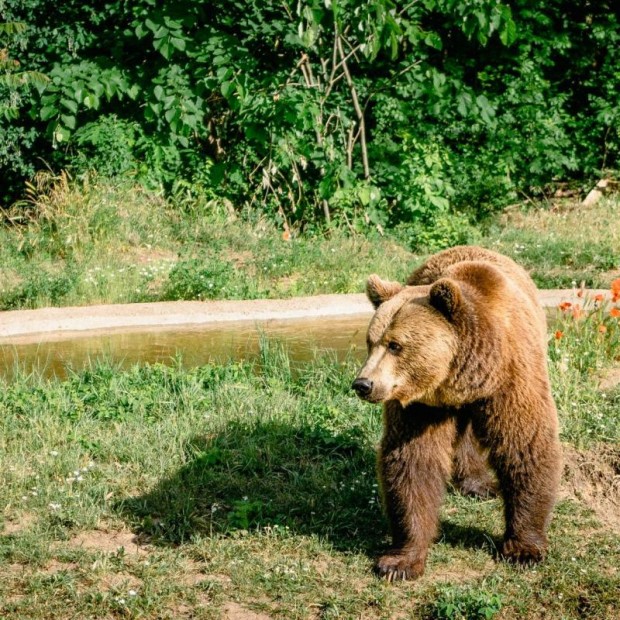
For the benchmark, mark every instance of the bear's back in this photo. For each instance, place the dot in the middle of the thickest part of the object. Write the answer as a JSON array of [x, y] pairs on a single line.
[[513, 294], [438, 266]]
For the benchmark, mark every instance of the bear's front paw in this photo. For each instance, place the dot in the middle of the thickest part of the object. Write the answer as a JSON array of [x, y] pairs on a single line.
[[401, 566], [515, 550]]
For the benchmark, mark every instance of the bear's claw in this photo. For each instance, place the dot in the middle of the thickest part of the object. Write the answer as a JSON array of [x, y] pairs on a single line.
[[398, 567], [522, 552]]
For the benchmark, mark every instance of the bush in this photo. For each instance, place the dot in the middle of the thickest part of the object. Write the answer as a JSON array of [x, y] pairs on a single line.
[[314, 112]]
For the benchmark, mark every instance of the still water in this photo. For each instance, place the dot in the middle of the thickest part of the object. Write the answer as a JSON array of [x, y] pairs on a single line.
[[55, 355]]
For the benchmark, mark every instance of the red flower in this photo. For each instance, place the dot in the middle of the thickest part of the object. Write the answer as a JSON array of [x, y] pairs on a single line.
[[558, 334], [615, 290], [565, 305]]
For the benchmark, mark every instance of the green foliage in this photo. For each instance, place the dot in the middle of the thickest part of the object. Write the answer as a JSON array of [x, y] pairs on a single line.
[[206, 278], [369, 114], [107, 145], [39, 287], [465, 603], [15, 86]]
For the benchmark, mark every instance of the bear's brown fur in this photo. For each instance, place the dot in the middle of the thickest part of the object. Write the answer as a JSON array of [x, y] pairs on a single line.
[[458, 357]]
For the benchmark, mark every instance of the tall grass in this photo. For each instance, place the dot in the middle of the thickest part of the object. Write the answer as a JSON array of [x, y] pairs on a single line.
[[101, 242]]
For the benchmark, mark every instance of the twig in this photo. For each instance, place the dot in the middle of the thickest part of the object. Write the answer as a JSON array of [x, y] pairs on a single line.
[[358, 110]]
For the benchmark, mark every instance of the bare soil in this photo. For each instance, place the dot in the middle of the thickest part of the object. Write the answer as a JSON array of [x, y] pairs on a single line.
[[593, 477], [106, 541]]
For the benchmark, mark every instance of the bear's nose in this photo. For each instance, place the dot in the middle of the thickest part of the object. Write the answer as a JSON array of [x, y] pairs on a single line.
[[363, 387]]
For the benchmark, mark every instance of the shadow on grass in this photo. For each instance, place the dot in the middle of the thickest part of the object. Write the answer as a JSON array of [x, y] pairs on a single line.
[[265, 474]]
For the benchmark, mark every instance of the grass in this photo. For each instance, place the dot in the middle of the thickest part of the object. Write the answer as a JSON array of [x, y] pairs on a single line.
[[249, 488], [562, 244], [112, 243]]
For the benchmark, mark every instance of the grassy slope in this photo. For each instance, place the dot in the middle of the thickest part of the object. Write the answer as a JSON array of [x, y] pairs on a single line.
[[113, 244]]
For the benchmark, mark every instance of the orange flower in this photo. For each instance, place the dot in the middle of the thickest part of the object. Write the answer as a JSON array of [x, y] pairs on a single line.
[[558, 334], [599, 297], [615, 290], [602, 329], [565, 305], [577, 312], [615, 312]]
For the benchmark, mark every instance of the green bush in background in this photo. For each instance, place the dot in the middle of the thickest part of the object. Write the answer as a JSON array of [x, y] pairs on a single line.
[[365, 113]]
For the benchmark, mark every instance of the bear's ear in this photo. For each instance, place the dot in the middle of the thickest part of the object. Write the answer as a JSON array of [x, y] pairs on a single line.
[[378, 290], [445, 295]]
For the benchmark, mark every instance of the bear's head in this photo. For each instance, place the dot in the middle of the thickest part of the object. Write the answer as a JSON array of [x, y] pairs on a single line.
[[412, 341]]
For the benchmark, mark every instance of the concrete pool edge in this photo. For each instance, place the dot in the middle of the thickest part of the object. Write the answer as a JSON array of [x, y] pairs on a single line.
[[23, 326]]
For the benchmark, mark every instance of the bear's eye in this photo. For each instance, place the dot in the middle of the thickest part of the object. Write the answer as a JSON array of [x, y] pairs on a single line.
[[394, 347]]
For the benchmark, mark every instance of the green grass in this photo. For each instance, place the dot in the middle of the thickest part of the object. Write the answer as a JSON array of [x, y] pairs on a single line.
[[114, 243], [250, 487], [563, 245]]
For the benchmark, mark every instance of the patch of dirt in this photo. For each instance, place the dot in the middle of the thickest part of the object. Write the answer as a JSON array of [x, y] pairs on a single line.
[[13, 578], [186, 610], [18, 523], [321, 567], [239, 259], [16, 570], [108, 542], [193, 573], [609, 379], [54, 566], [181, 611], [11, 600], [234, 611], [593, 477]]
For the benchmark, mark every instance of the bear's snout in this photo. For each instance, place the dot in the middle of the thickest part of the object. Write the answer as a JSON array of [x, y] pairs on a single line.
[[363, 387]]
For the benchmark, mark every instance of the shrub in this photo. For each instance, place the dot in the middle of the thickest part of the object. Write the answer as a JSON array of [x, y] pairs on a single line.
[[366, 114]]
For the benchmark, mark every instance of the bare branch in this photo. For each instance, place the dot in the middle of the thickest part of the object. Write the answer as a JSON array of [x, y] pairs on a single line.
[[358, 110]]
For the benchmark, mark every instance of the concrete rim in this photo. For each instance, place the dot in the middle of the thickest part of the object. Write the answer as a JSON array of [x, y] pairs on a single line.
[[23, 326]]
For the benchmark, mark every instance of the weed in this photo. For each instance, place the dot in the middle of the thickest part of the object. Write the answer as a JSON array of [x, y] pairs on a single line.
[[464, 603], [204, 278]]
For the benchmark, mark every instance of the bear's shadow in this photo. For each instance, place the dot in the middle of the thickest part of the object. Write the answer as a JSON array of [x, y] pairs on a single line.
[[270, 475]]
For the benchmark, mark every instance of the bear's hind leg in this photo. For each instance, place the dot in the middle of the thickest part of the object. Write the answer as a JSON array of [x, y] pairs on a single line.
[[472, 474], [414, 464]]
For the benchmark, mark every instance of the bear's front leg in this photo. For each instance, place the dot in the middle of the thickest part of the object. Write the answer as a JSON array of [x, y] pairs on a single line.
[[414, 464]]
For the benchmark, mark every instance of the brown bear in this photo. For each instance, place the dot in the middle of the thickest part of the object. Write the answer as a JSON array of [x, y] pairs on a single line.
[[458, 358]]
